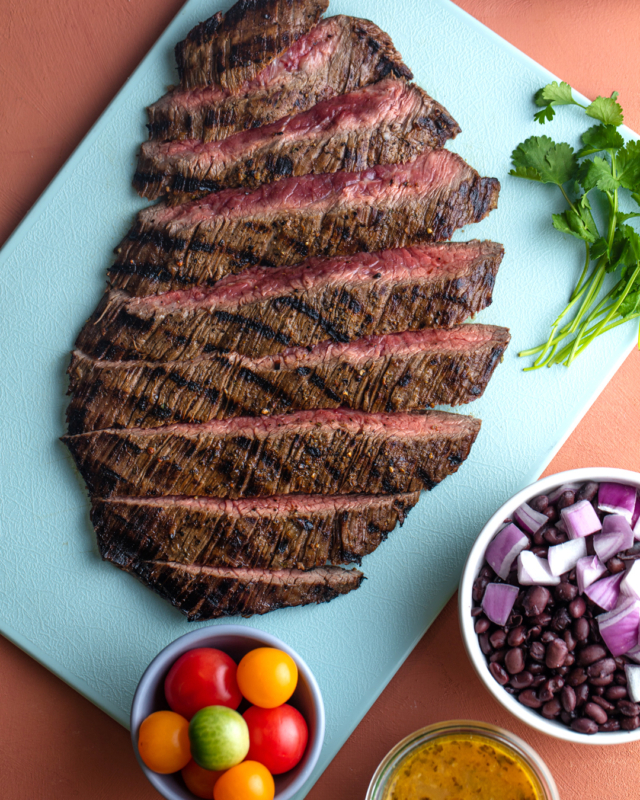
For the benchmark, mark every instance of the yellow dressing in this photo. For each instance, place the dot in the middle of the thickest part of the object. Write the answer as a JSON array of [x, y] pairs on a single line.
[[463, 767]]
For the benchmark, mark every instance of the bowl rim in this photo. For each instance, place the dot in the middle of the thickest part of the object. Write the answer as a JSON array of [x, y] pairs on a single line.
[[470, 571], [192, 639]]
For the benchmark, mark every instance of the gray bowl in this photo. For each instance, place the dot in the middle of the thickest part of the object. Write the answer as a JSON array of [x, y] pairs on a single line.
[[237, 641]]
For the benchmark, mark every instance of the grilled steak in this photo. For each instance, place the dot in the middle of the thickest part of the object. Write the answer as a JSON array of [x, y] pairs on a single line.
[[326, 452], [264, 310], [339, 55], [398, 372], [390, 122], [291, 531], [283, 223], [230, 49], [211, 592]]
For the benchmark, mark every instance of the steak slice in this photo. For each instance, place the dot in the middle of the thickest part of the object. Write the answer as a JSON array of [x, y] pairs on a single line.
[[197, 243], [265, 310], [211, 592], [229, 49], [339, 55], [291, 531], [398, 372], [390, 122], [309, 452]]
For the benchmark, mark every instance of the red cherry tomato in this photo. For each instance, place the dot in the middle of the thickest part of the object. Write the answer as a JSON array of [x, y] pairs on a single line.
[[200, 781], [202, 677], [277, 737]]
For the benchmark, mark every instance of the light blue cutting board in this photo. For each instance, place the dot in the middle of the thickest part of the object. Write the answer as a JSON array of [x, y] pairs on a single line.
[[96, 627]]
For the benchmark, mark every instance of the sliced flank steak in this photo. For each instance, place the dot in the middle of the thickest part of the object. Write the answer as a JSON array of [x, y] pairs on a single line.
[[308, 452], [264, 310], [290, 531], [390, 122], [210, 592], [409, 371], [230, 49], [339, 55], [280, 224]]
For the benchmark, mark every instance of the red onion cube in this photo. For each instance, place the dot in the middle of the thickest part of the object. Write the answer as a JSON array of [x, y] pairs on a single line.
[[616, 536], [556, 494], [498, 601], [563, 557], [504, 549], [634, 653], [635, 518], [606, 591], [619, 628], [617, 498], [581, 519], [630, 586], [529, 520], [633, 681], [588, 570], [534, 571]]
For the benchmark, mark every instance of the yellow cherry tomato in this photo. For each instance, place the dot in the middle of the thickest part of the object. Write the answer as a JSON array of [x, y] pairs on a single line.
[[246, 781], [200, 781], [267, 677], [163, 742]]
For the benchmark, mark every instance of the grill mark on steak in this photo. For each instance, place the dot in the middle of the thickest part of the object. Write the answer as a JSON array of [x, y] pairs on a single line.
[[282, 223], [326, 452], [397, 372], [210, 592], [339, 55], [388, 123], [264, 310], [230, 49], [291, 531]]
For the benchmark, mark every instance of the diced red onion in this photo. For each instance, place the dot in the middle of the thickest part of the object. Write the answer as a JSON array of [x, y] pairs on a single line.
[[617, 498], [619, 628], [529, 520], [534, 571], [634, 653], [563, 557], [633, 681], [630, 586], [606, 591], [635, 518], [498, 601], [588, 570], [581, 519], [504, 548], [566, 487], [616, 536]]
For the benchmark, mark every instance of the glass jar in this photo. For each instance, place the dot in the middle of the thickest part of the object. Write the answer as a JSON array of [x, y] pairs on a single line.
[[526, 758]]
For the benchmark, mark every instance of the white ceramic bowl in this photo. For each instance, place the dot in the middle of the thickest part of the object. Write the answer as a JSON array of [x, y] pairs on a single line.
[[470, 573], [237, 641]]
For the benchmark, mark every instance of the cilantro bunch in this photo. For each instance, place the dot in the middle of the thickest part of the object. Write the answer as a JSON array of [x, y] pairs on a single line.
[[605, 165]]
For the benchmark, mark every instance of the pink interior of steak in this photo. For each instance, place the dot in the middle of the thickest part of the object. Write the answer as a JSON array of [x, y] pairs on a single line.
[[260, 283], [370, 107], [385, 184], [432, 423], [271, 506], [275, 577]]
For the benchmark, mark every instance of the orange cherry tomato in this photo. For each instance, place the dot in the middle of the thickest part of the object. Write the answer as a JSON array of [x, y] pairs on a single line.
[[200, 781], [267, 677], [246, 781], [163, 742]]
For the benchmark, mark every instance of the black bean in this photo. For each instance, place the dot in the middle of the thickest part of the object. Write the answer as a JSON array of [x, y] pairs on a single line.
[[487, 572], [582, 694], [610, 726], [537, 651], [565, 500], [540, 550], [529, 698], [549, 688], [568, 698], [534, 632], [479, 585], [553, 536], [615, 565], [596, 691], [539, 503], [569, 640], [522, 680], [485, 645], [515, 620], [497, 657], [587, 492], [548, 636], [482, 625], [476, 611], [581, 629], [595, 631], [570, 660], [538, 538], [551, 513], [596, 713], [621, 661], [538, 680], [517, 636], [566, 717], [630, 723], [615, 693], [564, 592], [535, 667], [499, 673], [498, 639], [620, 678], [584, 725], [590, 654], [551, 709], [514, 660], [509, 689], [563, 670], [628, 708], [577, 607], [577, 677], [600, 701], [605, 680], [556, 654], [561, 619], [601, 668], [542, 619]]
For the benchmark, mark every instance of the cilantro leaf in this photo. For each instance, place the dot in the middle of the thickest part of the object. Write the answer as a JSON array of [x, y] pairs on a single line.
[[554, 93], [578, 221], [628, 162], [620, 217], [597, 173], [606, 110], [632, 239], [541, 159], [600, 137], [545, 115], [636, 196], [599, 248]]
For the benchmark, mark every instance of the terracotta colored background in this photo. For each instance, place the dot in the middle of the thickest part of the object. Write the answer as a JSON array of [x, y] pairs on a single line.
[[60, 65]]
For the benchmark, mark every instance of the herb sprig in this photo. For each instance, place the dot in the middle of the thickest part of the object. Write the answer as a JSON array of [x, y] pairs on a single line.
[[604, 165]]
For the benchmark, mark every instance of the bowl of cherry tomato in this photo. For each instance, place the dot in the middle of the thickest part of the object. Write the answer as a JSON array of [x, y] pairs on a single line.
[[228, 713]]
